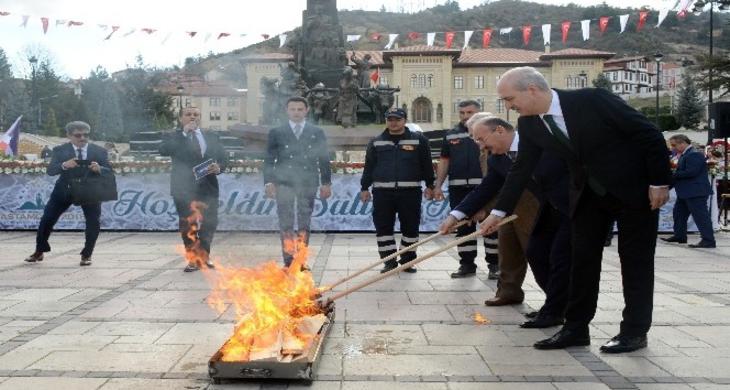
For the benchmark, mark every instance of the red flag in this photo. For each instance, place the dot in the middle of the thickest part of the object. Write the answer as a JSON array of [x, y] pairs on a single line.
[[682, 14], [265, 36], [413, 35], [114, 29], [375, 36], [603, 23], [149, 30], [526, 31], [192, 33], [449, 38], [642, 20], [3, 13], [74, 23], [44, 21], [486, 37], [375, 76], [223, 35], [565, 27]]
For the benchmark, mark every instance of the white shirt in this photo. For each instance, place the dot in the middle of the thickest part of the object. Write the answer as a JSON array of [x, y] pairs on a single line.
[[84, 151], [292, 125], [557, 112], [201, 141]]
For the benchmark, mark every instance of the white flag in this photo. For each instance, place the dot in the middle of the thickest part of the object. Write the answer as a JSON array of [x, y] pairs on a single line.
[[207, 37], [130, 32], [391, 41], [467, 37], [25, 20], [585, 27], [662, 14], [430, 37], [546, 34], [282, 40], [623, 19], [505, 30], [353, 38], [164, 41], [60, 22]]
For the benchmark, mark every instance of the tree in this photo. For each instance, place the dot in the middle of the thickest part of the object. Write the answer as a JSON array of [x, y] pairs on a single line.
[[720, 65], [6, 77], [602, 82], [50, 125], [101, 98], [689, 103]]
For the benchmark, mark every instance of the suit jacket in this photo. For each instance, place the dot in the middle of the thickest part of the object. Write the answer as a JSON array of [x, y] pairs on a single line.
[[185, 157], [66, 152], [615, 144], [291, 161], [690, 178]]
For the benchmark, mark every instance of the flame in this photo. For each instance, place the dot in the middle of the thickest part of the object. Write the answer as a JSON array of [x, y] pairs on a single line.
[[195, 254], [480, 319]]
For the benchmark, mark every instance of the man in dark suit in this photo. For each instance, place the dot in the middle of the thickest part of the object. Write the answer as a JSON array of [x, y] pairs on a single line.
[[547, 245], [296, 164], [692, 185], [619, 168], [71, 160], [195, 198]]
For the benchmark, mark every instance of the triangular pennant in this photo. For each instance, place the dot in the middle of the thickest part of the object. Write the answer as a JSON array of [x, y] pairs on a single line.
[[375, 36], [603, 23], [209, 35], [353, 38], [449, 38], [148, 30], [25, 21], [585, 28], [114, 29], [282, 40], [467, 38], [430, 37], [413, 35], [506, 30], [265, 36], [642, 20], [44, 22], [391, 41], [103, 26], [564, 28], [662, 14], [4, 13], [60, 22], [546, 34], [375, 76], [486, 37], [72, 23], [191, 34], [167, 36], [130, 32], [526, 32], [623, 19], [224, 34]]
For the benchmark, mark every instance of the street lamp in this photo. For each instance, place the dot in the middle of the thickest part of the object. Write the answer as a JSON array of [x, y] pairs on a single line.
[[658, 58], [180, 90], [33, 100]]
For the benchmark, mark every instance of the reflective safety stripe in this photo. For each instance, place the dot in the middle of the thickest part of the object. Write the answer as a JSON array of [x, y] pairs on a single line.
[[409, 240], [409, 142], [394, 184], [456, 136], [491, 251], [387, 248], [470, 248], [386, 238], [465, 182], [383, 143], [490, 241]]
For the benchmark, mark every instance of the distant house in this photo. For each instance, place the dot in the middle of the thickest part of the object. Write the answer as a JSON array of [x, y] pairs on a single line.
[[630, 75]]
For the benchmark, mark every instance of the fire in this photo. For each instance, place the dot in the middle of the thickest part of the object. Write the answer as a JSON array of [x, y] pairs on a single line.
[[480, 319]]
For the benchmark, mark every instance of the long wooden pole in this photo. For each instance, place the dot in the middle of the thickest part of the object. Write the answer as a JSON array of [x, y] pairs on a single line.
[[414, 261], [387, 258]]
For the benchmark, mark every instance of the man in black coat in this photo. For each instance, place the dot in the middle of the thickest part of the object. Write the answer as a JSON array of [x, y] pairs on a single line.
[[71, 160], [189, 147], [619, 168], [296, 164]]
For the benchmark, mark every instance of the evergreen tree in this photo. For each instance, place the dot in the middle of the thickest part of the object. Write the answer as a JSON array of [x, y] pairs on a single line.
[[104, 111], [602, 82], [6, 78], [689, 103], [50, 125]]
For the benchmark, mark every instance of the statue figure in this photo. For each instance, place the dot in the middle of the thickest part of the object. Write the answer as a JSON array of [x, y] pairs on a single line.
[[363, 69], [272, 100], [381, 99], [321, 102], [347, 101], [290, 77]]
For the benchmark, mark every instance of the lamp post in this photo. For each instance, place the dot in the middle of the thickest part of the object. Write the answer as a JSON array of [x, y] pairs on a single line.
[[34, 92], [180, 90], [658, 58]]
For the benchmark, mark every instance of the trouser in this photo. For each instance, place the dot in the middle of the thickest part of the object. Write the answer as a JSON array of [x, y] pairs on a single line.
[[205, 228], [637, 232], [406, 204], [468, 250], [549, 256], [294, 201], [697, 207], [56, 206]]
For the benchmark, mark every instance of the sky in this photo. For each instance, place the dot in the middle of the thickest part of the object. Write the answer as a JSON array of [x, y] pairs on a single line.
[[76, 50]]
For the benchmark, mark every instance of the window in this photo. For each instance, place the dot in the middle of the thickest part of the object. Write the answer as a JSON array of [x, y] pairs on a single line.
[[232, 101], [569, 82], [215, 116], [429, 80], [422, 110], [479, 82], [215, 102], [458, 82], [421, 80], [233, 116], [500, 106], [414, 81], [384, 80]]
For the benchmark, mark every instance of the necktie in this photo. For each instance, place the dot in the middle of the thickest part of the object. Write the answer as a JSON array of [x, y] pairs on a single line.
[[297, 130], [195, 143], [512, 155], [79, 154], [595, 185]]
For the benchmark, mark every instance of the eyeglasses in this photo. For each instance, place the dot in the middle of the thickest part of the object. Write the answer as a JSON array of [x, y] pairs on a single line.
[[80, 135]]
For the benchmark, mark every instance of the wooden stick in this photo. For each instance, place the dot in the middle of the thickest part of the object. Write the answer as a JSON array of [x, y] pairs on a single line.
[[415, 261], [389, 257]]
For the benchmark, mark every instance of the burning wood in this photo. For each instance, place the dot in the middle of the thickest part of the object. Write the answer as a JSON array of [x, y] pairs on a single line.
[[480, 319]]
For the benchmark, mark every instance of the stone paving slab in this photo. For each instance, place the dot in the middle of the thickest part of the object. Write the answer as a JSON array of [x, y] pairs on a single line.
[[134, 320]]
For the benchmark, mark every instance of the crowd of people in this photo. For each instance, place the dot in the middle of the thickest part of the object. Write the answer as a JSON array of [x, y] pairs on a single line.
[[581, 160]]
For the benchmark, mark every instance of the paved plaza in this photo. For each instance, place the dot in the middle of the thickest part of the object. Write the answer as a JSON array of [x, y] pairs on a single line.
[[134, 320]]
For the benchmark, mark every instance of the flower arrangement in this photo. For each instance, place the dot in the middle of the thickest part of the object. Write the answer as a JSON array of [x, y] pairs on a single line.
[[715, 154]]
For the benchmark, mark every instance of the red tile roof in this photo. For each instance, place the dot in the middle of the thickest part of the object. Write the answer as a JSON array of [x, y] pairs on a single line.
[[267, 57], [625, 59], [376, 56], [577, 53], [499, 56]]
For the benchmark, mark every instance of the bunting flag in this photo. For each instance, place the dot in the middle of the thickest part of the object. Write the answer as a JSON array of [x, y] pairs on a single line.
[[103, 26], [353, 38], [683, 5], [72, 23], [585, 28], [603, 24], [282, 39], [148, 30], [546, 34], [375, 76], [662, 14], [60, 22], [130, 32], [526, 31], [25, 21], [642, 20], [413, 35], [10, 140], [467, 38], [224, 34], [114, 29], [167, 37], [506, 30], [3, 13], [44, 22], [265, 36], [623, 19], [449, 38], [375, 36], [209, 35], [430, 37], [565, 27], [486, 37], [191, 33], [391, 41]]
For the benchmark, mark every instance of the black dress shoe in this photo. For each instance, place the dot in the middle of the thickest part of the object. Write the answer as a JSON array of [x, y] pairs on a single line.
[[85, 260], [463, 273], [388, 267], [542, 321], [191, 268], [410, 270], [620, 344], [531, 314], [703, 244], [34, 258], [565, 338], [675, 239]]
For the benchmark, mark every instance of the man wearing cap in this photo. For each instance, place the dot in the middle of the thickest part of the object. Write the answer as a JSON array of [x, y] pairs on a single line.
[[396, 162]]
